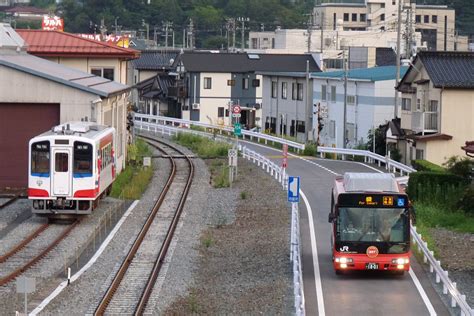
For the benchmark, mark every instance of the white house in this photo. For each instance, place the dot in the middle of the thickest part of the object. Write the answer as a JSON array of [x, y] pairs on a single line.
[[370, 103]]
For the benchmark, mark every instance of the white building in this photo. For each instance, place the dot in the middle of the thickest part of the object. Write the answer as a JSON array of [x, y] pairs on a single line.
[[370, 103]]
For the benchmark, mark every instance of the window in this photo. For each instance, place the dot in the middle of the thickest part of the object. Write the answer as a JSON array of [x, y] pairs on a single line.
[[419, 154], [294, 91], [332, 129], [333, 93], [220, 111], [256, 83], [231, 83], [274, 89], [363, 17], [40, 159], [106, 156], [354, 17], [418, 104], [245, 83], [284, 92], [433, 106], [82, 159], [107, 73], [418, 18], [254, 43], [382, 17], [300, 92], [207, 83], [382, 5], [434, 19], [346, 17], [406, 104], [323, 92], [426, 19], [351, 99], [61, 163]]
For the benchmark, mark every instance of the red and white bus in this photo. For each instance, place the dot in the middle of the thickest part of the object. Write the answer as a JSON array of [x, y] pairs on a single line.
[[370, 218]]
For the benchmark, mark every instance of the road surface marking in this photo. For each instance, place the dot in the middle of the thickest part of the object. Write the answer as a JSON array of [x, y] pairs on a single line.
[[422, 292], [317, 274]]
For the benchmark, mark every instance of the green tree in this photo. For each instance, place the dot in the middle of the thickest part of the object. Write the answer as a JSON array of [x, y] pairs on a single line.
[[379, 141]]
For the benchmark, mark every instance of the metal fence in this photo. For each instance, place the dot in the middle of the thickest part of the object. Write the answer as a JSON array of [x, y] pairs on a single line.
[[186, 124], [159, 125]]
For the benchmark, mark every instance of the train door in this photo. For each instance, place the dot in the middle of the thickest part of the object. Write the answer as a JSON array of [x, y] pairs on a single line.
[[62, 171]]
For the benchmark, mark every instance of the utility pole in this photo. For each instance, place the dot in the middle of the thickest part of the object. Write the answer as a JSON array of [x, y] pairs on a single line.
[[243, 20], [309, 31], [322, 31], [308, 106], [167, 26], [345, 99], [230, 27], [184, 38], [191, 34], [399, 27]]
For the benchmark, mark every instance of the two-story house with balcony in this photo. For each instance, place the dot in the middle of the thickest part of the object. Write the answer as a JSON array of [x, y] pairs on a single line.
[[437, 105], [216, 81], [370, 102]]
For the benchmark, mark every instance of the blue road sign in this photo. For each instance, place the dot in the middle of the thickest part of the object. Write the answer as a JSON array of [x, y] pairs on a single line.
[[294, 189]]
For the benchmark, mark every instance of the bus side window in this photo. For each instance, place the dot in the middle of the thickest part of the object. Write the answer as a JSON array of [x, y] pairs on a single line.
[[332, 214]]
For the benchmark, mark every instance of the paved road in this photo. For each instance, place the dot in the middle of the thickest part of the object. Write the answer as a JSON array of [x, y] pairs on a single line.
[[359, 293]]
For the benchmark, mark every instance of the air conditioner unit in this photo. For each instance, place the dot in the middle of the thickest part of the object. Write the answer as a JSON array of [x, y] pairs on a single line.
[[196, 106]]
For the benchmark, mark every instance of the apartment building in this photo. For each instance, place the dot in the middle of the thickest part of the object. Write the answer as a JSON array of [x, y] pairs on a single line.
[[436, 23], [370, 103]]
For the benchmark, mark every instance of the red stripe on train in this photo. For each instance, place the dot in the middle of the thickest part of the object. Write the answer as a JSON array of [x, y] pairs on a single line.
[[37, 193], [85, 193]]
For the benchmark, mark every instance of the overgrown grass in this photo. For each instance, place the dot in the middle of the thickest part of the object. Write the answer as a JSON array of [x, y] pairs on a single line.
[[133, 180], [204, 147], [436, 216]]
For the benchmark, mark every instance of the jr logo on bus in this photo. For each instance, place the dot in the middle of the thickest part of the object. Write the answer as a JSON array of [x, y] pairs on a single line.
[[344, 248], [372, 252]]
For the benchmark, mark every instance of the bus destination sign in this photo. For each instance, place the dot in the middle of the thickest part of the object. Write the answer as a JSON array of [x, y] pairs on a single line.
[[373, 200]]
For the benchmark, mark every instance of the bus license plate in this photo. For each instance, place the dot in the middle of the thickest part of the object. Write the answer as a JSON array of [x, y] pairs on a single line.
[[372, 266]]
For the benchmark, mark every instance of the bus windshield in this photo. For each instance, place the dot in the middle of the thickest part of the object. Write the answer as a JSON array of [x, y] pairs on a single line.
[[388, 225]]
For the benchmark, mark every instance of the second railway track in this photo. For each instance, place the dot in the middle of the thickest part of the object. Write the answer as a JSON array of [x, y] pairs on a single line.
[[133, 283]]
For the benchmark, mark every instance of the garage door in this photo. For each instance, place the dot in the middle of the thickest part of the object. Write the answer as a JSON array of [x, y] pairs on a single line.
[[19, 122]]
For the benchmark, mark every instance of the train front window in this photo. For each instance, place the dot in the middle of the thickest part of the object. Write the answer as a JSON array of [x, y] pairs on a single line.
[[40, 159], [82, 159], [372, 225], [61, 162]]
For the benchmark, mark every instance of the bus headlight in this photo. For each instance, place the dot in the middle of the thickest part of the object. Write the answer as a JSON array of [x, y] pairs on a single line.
[[343, 260], [343, 265], [400, 266], [401, 261]]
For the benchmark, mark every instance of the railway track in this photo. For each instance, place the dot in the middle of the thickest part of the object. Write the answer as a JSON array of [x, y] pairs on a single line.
[[133, 283], [31, 250], [10, 200]]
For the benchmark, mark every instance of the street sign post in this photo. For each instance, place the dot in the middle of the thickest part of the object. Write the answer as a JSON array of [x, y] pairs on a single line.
[[285, 156], [25, 285], [294, 189], [237, 129]]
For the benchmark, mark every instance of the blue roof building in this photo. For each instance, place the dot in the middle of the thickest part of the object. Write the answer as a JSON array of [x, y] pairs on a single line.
[[370, 103]]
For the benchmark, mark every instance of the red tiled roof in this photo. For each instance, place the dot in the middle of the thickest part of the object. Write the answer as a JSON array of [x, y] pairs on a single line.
[[61, 44], [26, 9]]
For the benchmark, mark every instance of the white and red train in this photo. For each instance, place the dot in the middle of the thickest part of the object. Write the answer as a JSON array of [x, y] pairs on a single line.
[[70, 168]]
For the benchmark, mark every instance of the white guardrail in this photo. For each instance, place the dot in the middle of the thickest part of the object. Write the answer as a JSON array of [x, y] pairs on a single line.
[[449, 287], [185, 124]]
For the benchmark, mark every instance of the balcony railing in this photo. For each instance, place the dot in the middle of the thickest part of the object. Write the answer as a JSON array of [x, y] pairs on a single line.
[[424, 122]]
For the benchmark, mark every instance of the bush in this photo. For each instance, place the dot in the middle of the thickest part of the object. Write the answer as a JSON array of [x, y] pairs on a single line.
[[203, 146], [435, 188], [425, 165], [310, 150], [466, 203], [460, 166]]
